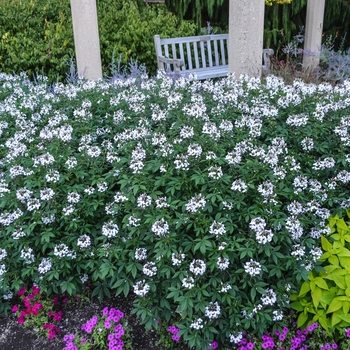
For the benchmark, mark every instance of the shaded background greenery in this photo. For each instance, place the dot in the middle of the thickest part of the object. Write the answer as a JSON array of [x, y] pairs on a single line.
[[36, 36]]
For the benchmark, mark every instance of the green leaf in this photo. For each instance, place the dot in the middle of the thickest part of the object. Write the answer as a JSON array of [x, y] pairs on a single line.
[[335, 305], [321, 283], [302, 319], [305, 287], [316, 295]]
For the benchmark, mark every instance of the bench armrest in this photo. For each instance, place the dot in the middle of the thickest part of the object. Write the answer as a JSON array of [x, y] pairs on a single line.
[[175, 61]]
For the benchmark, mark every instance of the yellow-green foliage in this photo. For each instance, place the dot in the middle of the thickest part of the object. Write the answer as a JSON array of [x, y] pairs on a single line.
[[325, 297], [37, 35]]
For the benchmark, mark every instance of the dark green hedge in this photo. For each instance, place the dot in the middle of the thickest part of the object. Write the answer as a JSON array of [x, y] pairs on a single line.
[[36, 36]]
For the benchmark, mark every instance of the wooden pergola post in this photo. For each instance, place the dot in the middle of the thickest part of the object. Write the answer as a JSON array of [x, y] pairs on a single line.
[[86, 38], [313, 33], [246, 31]]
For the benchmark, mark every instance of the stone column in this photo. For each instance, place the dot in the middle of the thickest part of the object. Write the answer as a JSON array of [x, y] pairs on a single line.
[[313, 33], [86, 39], [246, 31]]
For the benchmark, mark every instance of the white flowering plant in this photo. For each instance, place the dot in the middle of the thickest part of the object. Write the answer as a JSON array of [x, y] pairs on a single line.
[[205, 200]]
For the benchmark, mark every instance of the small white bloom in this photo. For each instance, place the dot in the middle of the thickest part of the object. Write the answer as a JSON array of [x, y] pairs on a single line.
[[197, 267], [188, 282]]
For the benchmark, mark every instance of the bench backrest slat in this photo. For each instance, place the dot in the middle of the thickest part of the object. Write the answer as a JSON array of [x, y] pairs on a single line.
[[182, 56], [217, 62], [222, 48], [196, 54], [173, 49], [203, 62], [210, 57], [189, 55]]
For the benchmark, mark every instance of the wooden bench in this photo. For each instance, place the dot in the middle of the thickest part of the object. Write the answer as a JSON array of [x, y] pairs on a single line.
[[205, 56]]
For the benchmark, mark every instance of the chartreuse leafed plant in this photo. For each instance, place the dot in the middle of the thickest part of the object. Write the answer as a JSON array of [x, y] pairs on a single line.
[[325, 297], [205, 200]]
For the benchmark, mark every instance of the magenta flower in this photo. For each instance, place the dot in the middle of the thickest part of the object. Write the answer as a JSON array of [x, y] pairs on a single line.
[[15, 308], [21, 291], [105, 311], [175, 338]]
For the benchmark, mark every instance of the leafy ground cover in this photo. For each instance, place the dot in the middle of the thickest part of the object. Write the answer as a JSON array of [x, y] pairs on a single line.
[[207, 201]]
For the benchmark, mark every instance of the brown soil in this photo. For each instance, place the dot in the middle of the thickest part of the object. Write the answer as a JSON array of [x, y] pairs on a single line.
[[17, 337]]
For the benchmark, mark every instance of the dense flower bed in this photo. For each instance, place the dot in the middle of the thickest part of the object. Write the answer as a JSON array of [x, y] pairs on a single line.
[[205, 199]]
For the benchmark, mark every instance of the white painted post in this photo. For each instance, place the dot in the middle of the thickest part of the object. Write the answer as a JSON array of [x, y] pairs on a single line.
[[246, 30], [86, 39], [313, 33]]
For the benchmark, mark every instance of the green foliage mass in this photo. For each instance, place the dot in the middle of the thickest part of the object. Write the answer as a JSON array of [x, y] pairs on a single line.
[[205, 200], [325, 297], [36, 36]]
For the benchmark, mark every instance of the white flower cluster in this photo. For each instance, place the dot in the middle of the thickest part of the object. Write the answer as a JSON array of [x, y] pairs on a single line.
[[144, 201], [295, 208], [196, 203], [236, 337], [160, 228], [188, 282], [215, 172], [73, 197], [217, 228], [18, 233], [277, 315], [212, 311], [194, 150], [3, 254], [133, 221], [307, 144], [27, 255], [316, 253], [298, 251], [2, 269], [71, 162], [294, 227], [93, 151], [84, 278], [197, 324], [138, 156], [186, 132], [269, 298], [45, 159], [177, 258], [197, 267], [266, 190], [110, 229], [120, 198], [68, 210], [45, 265], [161, 202], [262, 235], [225, 287], [223, 263], [239, 185], [181, 162], [6, 219], [33, 204], [141, 288], [297, 120], [61, 250], [300, 183], [149, 269], [322, 164], [252, 268], [141, 254], [84, 241], [47, 194], [52, 176]]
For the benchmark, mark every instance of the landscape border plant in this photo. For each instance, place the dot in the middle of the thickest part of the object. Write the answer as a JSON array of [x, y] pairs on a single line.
[[205, 199]]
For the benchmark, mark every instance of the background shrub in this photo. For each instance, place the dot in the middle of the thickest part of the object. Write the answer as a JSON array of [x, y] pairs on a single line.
[[36, 36]]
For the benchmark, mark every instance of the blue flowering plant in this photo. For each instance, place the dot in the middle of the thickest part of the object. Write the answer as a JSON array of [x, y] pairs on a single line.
[[205, 201]]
